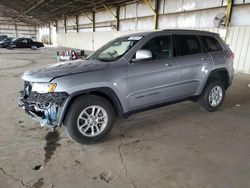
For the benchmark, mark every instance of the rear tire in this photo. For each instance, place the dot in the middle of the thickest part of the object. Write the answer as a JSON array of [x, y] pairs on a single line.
[[89, 119], [213, 96], [34, 47]]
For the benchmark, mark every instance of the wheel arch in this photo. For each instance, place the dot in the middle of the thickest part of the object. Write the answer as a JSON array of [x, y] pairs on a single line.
[[222, 74], [218, 74], [104, 92]]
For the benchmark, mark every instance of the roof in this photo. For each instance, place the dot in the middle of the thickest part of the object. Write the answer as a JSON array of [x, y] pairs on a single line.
[[42, 11], [187, 31]]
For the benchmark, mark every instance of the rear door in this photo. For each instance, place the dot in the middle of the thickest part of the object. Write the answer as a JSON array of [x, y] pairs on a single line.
[[153, 81], [192, 60]]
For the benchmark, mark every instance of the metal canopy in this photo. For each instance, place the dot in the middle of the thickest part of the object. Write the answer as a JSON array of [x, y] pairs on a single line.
[[37, 12]]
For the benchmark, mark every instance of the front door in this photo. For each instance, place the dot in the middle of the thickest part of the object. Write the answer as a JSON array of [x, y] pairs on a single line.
[[153, 81], [23, 43]]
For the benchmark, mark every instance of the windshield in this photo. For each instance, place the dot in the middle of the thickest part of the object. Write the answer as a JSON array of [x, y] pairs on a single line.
[[115, 49]]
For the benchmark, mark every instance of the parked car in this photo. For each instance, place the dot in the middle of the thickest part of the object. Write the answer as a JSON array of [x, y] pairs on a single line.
[[6, 42], [129, 74], [25, 43], [2, 37]]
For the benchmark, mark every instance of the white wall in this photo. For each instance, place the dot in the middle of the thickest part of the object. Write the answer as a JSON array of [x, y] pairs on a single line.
[[7, 27], [88, 40], [239, 40], [136, 17]]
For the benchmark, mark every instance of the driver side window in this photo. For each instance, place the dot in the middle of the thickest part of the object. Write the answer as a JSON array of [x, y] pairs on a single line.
[[161, 47]]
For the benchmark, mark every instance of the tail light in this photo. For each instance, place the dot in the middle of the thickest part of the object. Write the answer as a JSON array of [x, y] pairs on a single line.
[[231, 55]]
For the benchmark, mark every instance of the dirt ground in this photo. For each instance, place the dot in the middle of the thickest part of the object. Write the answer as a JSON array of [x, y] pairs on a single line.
[[177, 146]]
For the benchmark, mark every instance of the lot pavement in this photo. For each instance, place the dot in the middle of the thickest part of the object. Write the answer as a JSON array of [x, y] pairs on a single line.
[[177, 146]]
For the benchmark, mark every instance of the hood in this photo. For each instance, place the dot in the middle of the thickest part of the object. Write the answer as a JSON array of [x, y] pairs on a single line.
[[48, 72]]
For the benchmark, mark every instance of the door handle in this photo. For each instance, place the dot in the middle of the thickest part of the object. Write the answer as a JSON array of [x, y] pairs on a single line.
[[203, 59]]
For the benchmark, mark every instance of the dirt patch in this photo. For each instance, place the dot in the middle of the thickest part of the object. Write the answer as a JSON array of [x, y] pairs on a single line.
[[8, 65], [37, 167], [34, 128], [52, 139], [107, 176], [77, 163], [39, 183]]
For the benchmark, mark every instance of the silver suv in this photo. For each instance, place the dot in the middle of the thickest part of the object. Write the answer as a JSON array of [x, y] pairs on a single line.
[[128, 74]]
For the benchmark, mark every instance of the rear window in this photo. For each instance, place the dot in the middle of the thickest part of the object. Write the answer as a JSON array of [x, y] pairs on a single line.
[[187, 45], [211, 44]]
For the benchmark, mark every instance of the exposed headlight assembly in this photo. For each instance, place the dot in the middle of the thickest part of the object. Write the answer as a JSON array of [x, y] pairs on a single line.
[[44, 87]]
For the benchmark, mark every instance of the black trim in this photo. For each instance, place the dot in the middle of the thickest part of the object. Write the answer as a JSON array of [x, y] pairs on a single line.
[[203, 48], [175, 49], [219, 70], [105, 92], [151, 107]]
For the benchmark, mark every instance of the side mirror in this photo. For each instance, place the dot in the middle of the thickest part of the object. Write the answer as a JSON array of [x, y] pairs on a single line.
[[142, 54]]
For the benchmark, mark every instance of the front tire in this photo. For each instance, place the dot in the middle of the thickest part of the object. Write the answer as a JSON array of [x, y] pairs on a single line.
[[89, 119], [213, 96]]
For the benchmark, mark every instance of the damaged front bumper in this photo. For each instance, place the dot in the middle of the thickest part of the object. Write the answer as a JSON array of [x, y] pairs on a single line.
[[46, 108]]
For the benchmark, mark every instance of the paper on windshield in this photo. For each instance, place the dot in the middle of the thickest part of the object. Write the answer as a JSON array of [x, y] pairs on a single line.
[[135, 38]]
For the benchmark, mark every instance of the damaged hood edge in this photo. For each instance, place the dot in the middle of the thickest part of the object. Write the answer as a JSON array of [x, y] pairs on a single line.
[[49, 72]]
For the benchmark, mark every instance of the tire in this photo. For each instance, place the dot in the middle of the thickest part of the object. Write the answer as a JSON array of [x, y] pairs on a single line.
[[209, 104], [9, 47], [83, 107], [34, 47]]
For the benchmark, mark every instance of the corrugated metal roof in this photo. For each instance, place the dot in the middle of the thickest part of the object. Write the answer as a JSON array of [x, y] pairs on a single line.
[[42, 11]]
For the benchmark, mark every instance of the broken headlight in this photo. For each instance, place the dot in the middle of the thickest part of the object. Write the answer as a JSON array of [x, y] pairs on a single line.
[[44, 87]]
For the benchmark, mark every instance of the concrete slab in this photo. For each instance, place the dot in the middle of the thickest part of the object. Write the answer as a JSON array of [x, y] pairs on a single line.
[[174, 146]]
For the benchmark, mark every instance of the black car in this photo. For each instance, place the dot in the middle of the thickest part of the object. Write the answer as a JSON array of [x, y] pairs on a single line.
[[6, 42], [2, 37], [25, 43]]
